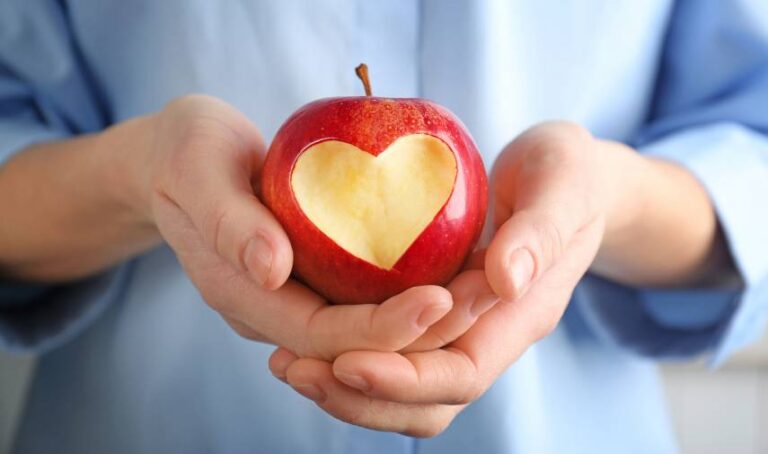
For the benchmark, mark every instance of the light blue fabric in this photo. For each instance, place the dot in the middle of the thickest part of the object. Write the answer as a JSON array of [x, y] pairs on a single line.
[[738, 188], [160, 372]]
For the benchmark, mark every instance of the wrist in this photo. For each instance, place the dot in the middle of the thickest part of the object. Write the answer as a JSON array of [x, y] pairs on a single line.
[[128, 148], [661, 227], [624, 170]]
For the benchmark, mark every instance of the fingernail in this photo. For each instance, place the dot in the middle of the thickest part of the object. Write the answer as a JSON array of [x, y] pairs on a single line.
[[429, 316], [521, 269], [354, 381], [482, 303], [311, 392], [258, 259]]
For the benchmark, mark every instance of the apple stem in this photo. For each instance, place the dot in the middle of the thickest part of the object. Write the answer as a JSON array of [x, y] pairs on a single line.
[[362, 73]]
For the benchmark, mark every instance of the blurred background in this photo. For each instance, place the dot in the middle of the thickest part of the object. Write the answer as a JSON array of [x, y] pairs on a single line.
[[714, 412]]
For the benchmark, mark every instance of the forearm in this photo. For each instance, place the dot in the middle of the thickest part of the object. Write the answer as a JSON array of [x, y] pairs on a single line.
[[661, 227], [67, 206]]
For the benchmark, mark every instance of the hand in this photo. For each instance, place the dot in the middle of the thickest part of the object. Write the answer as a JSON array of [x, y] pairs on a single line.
[[550, 209], [199, 191]]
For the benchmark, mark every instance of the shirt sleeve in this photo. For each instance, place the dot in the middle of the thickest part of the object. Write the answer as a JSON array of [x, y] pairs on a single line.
[[46, 93], [710, 115]]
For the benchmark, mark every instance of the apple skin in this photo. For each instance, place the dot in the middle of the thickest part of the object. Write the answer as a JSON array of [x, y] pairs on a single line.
[[372, 124]]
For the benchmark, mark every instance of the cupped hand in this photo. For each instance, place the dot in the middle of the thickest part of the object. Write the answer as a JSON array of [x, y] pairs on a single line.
[[549, 214], [199, 191]]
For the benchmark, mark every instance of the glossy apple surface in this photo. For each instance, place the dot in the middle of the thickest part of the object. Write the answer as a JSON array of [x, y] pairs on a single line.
[[414, 229]]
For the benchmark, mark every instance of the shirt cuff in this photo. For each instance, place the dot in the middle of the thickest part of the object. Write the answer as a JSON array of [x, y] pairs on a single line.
[[37, 319], [18, 134], [731, 162]]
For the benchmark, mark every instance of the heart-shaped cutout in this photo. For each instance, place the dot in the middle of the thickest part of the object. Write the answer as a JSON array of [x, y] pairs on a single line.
[[374, 207]]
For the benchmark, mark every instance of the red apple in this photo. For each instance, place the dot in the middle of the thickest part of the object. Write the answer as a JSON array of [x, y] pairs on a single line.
[[376, 195]]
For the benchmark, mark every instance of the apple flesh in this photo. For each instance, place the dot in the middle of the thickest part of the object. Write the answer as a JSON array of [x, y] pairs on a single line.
[[376, 195], [359, 204]]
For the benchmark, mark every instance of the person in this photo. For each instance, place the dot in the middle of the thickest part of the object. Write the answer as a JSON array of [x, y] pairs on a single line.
[[628, 162]]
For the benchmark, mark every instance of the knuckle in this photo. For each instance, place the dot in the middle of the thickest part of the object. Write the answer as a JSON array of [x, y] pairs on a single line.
[[449, 374], [471, 393], [245, 334], [225, 231], [206, 136], [242, 330], [563, 138], [566, 129], [176, 170], [189, 101], [428, 427], [550, 240], [363, 416], [387, 342], [422, 432], [201, 134], [214, 221], [212, 292], [377, 336], [553, 143], [543, 326], [189, 149], [467, 375], [221, 292], [317, 342]]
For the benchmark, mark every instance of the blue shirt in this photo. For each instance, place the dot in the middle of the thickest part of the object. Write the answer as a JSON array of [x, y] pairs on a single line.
[[134, 361]]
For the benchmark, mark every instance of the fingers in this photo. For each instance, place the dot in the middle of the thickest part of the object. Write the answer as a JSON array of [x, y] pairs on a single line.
[[279, 362], [243, 231], [293, 315], [445, 376], [332, 330], [244, 330], [389, 326], [298, 319], [314, 379], [472, 297], [416, 393], [214, 154], [544, 195], [518, 324], [462, 372], [525, 247]]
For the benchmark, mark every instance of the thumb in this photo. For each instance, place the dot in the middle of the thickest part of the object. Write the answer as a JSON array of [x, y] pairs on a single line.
[[544, 184], [213, 155], [525, 246]]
